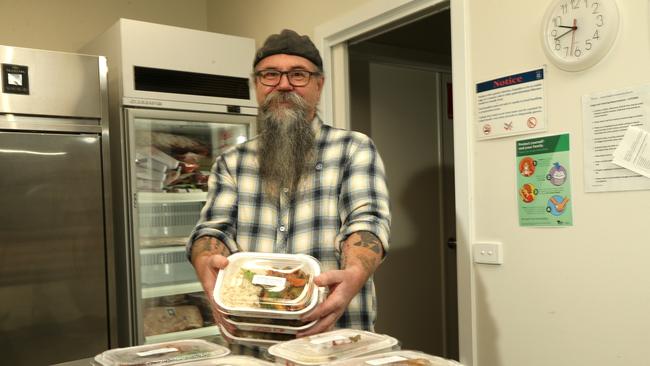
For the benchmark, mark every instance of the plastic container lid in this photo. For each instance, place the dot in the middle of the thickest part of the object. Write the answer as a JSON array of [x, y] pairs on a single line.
[[268, 285], [230, 361], [332, 346], [395, 358], [267, 327], [165, 353], [248, 339]]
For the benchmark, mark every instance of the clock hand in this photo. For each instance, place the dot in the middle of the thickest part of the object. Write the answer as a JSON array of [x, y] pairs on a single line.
[[573, 37], [571, 29], [564, 34]]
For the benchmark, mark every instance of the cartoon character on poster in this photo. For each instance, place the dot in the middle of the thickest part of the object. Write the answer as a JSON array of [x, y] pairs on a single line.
[[527, 166], [527, 192], [557, 175]]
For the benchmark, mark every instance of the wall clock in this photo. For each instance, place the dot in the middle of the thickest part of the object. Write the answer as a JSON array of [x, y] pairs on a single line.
[[576, 34]]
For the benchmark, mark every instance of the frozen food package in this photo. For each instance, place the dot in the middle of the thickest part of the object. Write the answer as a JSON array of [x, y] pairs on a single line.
[[167, 319], [230, 361], [268, 285], [164, 353], [331, 346], [397, 358]]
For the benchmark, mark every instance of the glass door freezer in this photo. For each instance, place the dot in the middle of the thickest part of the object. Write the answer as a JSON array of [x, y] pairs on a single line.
[[169, 156]]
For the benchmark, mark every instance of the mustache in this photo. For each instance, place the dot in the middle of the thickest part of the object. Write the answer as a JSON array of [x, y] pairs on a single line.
[[279, 97]]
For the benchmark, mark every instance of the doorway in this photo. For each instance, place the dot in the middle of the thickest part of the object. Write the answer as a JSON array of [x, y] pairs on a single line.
[[400, 95]]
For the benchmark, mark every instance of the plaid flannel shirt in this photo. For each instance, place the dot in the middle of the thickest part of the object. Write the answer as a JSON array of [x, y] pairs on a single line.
[[344, 193]]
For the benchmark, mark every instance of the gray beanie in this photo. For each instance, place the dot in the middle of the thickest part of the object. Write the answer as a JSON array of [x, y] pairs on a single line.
[[290, 43]]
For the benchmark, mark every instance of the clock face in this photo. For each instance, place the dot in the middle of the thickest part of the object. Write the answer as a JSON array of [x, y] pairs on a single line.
[[576, 34]]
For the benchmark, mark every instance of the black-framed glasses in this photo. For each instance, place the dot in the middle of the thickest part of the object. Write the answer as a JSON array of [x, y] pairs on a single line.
[[295, 77]]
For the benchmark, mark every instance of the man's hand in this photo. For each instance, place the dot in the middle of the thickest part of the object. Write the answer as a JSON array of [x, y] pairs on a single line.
[[361, 255], [208, 258]]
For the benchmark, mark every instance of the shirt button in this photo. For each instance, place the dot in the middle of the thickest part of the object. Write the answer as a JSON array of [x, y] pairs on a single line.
[[319, 166], [282, 228]]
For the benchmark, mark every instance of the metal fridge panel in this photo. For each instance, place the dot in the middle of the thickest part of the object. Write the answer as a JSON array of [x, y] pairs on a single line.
[[52, 248], [60, 84]]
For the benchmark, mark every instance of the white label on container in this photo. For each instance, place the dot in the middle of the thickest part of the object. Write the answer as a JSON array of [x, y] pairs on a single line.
[[157, 351], [334, 339], [385, 360], [269, 281]]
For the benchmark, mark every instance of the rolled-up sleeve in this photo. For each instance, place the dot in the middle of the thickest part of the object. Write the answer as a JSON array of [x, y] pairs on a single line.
[[364, 201], [219, 214]]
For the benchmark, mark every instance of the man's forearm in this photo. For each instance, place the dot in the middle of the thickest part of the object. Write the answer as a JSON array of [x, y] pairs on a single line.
[[208, 245], [363, 250]]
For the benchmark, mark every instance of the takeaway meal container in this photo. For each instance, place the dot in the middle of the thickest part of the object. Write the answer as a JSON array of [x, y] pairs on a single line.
[[162, 354], [230, 361], [331, 346], [263, 296], [401, 358]]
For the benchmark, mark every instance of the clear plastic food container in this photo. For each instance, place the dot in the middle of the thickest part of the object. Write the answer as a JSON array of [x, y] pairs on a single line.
[[331, 346], [230, 361], [269, 327], [396, 358], [253, 339], [165, 353], [268, 285]]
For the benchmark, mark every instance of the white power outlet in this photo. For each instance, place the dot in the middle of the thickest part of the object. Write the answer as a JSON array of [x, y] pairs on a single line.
[[487, 253]]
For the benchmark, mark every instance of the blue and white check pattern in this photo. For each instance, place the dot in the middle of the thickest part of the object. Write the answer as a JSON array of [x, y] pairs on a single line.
[[344, 193]]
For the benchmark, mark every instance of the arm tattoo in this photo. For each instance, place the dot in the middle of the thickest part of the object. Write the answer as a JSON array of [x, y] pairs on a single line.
[[210, 245], [368, 240]]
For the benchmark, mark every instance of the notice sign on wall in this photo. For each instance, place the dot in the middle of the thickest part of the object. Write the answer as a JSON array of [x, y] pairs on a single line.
[[511, 105], [543, 184]]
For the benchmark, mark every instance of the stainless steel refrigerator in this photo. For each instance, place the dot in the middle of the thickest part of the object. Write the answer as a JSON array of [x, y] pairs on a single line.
[[178, 98], [56, 284]]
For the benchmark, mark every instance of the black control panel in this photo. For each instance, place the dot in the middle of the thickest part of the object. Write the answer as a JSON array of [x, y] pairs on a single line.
[[15, 79]]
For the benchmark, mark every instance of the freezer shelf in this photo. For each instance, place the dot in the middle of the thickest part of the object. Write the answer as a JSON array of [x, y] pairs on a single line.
[[163, 197], [211, 331], [176, 289]]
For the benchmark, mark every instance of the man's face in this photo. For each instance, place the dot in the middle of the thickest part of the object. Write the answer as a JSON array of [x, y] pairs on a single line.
[[282, 62]]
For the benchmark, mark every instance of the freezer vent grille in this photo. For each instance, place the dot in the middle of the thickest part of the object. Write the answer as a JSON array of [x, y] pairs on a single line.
[[193, 83], [151, 259], [168, 219]]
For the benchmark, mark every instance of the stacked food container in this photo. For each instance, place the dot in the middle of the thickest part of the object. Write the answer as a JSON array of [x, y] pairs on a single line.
[[263, 295], [324, 348], [397, 358], [162, 354]]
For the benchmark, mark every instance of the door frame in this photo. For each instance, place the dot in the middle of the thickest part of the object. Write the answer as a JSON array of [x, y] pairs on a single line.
[[331, 38]]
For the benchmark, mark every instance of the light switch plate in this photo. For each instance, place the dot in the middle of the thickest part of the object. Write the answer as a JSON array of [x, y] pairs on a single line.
[[487, 253]]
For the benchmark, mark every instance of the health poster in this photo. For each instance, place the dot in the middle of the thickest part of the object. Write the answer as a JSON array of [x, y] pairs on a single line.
[[543, 181]]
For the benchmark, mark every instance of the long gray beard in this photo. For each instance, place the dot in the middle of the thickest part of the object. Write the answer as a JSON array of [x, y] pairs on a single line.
[[287, 142]]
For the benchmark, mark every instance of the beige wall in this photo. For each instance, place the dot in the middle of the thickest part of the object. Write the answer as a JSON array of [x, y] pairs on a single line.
[[259, 18], [66, 25], [572, 296]]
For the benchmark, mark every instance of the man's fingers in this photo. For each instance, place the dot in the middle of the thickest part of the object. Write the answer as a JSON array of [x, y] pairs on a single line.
[[323, 325], [329, 278], [218, 262]]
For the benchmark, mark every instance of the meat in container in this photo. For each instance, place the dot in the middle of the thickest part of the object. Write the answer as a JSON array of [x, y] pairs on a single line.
[[331, 346], [164, 353], [396, 358], [268, 285]]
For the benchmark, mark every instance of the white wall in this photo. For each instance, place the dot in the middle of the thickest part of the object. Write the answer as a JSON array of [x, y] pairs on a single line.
[[564, 296], [67, 25], [258, 19]]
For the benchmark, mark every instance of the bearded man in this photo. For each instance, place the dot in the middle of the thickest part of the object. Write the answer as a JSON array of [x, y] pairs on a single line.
[[300, 186]]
